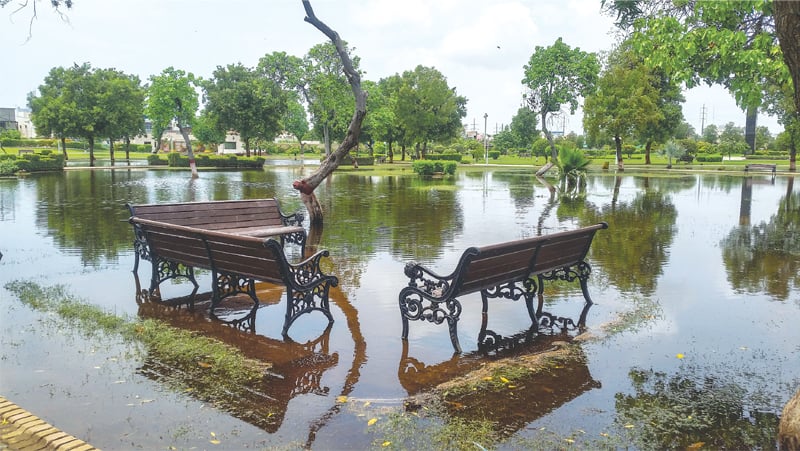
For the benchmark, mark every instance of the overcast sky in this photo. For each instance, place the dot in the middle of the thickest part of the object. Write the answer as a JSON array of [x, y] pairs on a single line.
[[480, 46]]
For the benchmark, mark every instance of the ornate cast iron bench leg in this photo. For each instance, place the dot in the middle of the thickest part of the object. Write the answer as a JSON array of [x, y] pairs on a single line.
[[581, 271]]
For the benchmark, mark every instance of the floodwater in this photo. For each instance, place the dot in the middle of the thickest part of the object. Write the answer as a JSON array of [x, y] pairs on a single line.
[[696, 287]]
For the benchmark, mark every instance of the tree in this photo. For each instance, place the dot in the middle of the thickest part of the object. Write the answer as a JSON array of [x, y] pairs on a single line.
[[242, 100], [625, 102], [711, 134], [735, 44], [294, 121], [207, 130], [122, 99], [51, 114], [732, 139], [523, 128], [555, 76], [171, 97], [307, 185], [672, 149], [427, 108], [329, 96]]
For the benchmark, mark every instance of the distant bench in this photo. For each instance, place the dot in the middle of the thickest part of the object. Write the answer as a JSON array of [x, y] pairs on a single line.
[[760, 167], [506, 270], [250, 217], [236, 263]]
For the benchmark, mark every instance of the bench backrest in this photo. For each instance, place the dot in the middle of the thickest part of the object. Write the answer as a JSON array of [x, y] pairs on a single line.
[[246, 256], [214, 215], [493, 265]]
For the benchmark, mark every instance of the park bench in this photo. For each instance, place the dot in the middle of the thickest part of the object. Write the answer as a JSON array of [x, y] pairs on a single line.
[[25, 151], [760, 167], [252, 217], [507, 270], [236, 263]]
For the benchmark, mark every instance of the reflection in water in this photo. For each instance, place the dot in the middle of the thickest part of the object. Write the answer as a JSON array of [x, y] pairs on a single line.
[[766, 256], [532, 396]]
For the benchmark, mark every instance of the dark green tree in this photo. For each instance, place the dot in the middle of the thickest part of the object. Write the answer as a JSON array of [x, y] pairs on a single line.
[[555, 76]]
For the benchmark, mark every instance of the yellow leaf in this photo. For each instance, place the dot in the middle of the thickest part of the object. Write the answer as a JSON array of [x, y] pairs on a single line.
[[569, 440], [488, 378], [204, 365], [679, 355], [341, 399], [386, 443], [696, 445], [504, 380], [215, 442], [604, 434], [366, 404], [213, 434], [512, 386], [629, 426], [372, 421]]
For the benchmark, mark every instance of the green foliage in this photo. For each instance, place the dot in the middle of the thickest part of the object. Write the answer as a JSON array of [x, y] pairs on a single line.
[[363, 161], [176, 160], [10, 134], [39, 163], [494, 154], [428, 167], [447, 156], [18, 142], [709, 158], [572, 161], [155, 160], [8, 166], [672, 149]]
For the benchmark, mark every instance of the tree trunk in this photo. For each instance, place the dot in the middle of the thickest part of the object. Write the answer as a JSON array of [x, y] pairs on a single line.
[[553, 151], [189, 151], [390, 153], [111, 150], [787, 26], [91, 151], [647, 148], [128, 149], [751, 120], [618, 145], [307, 185], [64, 148]]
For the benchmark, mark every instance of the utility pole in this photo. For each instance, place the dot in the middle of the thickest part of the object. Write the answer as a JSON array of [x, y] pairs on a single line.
[[702, 120], [485, 139]]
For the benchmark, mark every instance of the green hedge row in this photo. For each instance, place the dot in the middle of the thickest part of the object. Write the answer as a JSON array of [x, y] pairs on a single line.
[[176, 160], [708, 158], [10, 164], [428, 167], [445, 156]]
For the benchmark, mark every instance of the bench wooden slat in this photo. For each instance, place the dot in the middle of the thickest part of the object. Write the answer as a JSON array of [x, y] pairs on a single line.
[[497, 270]]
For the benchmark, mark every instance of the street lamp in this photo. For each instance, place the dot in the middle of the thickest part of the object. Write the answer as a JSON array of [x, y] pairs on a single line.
[[485, 139]]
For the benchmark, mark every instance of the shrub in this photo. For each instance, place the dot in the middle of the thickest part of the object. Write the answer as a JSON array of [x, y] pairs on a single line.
[[38, 163], [448, 156], [494, 154], [423, 167], [8, 167], [709, 158], [155, 160]]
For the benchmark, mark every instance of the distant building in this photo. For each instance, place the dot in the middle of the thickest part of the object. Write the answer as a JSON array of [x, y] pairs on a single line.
[[8, 119]]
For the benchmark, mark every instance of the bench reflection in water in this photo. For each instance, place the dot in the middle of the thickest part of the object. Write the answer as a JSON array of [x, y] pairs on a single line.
[[526, 399], [295, 368]]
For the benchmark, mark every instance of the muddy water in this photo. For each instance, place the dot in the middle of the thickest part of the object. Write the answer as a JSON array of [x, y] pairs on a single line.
[[695, 283]]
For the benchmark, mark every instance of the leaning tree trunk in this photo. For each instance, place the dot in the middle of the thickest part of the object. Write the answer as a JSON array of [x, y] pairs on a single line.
[[307, 185], [189, 151], [787, 26], [64, 147], [618, 145], [553, 151]]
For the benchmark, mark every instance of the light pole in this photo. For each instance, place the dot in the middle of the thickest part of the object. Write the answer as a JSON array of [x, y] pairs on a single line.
[[485, 139]]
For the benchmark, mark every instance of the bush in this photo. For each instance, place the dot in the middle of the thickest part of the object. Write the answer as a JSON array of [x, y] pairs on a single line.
[[8, 167], [448, 156], [176, 160], [155, 160], [39, 163], [28, 143], [494, 154], [428, 167], [709, 158]]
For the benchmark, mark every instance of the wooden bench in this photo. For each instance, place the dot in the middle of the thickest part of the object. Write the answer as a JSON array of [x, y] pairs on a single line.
[[761, 167], [506, 270], [236, 262], [252, 217]]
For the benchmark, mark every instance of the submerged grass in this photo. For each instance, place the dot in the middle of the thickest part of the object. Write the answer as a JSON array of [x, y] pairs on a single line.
[[206, 359]]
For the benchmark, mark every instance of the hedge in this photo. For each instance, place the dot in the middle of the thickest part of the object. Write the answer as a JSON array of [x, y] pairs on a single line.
[[36, 163], [709, 158], [428, 167], [176, 160], [447, 156]]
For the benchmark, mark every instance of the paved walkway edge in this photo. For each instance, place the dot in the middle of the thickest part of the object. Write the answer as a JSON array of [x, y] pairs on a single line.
[[20, 430]]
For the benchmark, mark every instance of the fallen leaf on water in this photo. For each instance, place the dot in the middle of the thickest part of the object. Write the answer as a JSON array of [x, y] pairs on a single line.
[[629, 426], [341, 399], [696, 445], [512, 386], [488, 378], [504, 380], [204, 364], [386, 443], [372, 421], [569, 440], [679, 355], [215, 442], [366, 404], [213, 434], [604, 434]]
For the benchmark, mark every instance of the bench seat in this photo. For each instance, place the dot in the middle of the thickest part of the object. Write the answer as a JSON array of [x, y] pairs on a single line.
[[510, 270], [236, 262]]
